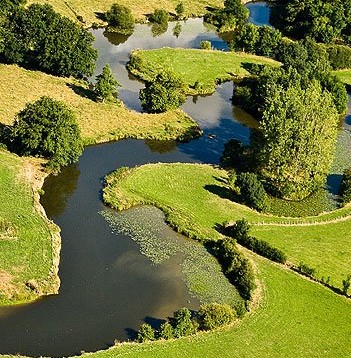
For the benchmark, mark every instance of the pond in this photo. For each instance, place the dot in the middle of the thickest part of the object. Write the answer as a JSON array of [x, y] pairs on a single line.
[[110, 283]]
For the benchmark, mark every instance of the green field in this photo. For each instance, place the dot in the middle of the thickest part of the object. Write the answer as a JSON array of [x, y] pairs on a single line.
[[194, 200], [296, 319], [29, 243], [344, 76], [88, 10], [98, 122], [205, 66]]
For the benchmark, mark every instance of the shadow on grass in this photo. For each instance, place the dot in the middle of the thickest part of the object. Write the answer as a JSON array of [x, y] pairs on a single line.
[[100, 15], [221, 191], [82, 91]]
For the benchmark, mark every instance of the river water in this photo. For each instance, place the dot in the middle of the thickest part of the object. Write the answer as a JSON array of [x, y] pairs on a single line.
[[108, 287]]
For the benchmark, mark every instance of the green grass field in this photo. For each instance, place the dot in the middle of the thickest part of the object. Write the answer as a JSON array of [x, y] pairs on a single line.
[[98, 122], [194, 198], [29, 243], [344, 76], [296, 319], [88, 10], [205, 66]]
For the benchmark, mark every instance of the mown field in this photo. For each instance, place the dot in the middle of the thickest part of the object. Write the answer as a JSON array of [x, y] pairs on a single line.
[[193, 65], [90, 10], [195, 199], [29, 244], [296, 319], [98, 122]]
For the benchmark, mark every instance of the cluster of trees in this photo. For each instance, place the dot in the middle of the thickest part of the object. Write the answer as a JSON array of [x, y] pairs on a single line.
[[234, 15], [120, 19], [185, 323], [240, 232], [323, 20], [165, 92], [47, 128], [40, 38]]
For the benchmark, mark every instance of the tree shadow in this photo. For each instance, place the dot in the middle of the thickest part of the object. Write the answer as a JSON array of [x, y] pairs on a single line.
[[5, 135], [154, 322], [333, 183], [220, 179], [132, 334], [100, 15], [221, 191], [82, 91]]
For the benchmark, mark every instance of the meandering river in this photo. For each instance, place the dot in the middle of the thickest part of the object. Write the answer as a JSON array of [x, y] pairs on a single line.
[[108, 287]]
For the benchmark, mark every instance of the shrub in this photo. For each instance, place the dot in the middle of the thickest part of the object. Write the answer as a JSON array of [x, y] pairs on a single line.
[[345, 187], [232, 155], [252, 191], [164, 93], [105, 86], [205, 45], [339, 56], [238, 231], [145, 333], [180, 10], [305, 269], [47, 128], [346, 284], [159, 16], [214, 315], [182, 323], [166, 331], [120, 18]]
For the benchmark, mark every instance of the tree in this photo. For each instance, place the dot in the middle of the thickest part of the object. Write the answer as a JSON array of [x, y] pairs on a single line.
[[180, 10], [166, 331], [47, 128], [182, 323], [41, 38], [214, 315], [345, 187], [299, 130], [120, 19], [346, 284], [246, 39], [164, 93], [159, 16], [105, 86], [145, 333]]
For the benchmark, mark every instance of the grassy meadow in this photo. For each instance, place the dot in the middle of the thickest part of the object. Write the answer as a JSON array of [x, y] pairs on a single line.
[[29, 243], [207, 67], [195, 199], [89, 10], [98, 122], [344, 76], [296, 318]]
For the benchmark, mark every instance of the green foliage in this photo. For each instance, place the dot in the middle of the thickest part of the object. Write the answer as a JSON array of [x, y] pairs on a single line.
[[236, 267], [214, 315], [234, 15], [159, 16], [47, 128], [323, 20], [120, 19], [346, 284], [165, 92], [339, 56], [345, 187], [305, 269], [180, 10], [232, 156], [166, 331], [105, 86], [41, 38], [240, 229], [182, 323], [145, 333], [205, 45], [252, 191], [247, 38]]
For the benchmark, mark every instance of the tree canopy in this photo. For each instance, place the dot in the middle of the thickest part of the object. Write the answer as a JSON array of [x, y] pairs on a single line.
[[105, 86], [120, 19], [41, 38], [47, 128]]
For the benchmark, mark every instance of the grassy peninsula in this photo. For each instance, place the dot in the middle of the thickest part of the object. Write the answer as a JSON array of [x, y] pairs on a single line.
[[201, 70], [29, 242], [194, 198], [98, 122]]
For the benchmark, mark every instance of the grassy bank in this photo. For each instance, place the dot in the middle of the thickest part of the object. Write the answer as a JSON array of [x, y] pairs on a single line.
[[29, 243], [194, 198], [296, 319], [98, 122], [205, 67], [344, 76], [90, 10]]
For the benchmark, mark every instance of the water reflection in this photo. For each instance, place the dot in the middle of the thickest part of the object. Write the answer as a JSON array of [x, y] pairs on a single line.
[[259, 13]]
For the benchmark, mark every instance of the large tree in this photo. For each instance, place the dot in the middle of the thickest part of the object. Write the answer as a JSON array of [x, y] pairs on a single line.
[[299, 131], [105, 86], [47, 128]]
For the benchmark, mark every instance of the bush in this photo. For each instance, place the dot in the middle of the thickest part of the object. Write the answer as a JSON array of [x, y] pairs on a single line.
[[252, 191], [159, 16], [182, 323], [166, 331], [214, 315], [165, 92], [145, 333], [339, 56], [180, 10], [105, 86], [305, 269], [120, 18], [345, 187], [346, 284], [205, 45], [47, 128], [232, 155]]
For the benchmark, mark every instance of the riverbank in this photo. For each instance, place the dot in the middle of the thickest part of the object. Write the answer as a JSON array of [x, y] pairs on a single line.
[[201, 70], [98, 122], [195, 199], [29, 242]]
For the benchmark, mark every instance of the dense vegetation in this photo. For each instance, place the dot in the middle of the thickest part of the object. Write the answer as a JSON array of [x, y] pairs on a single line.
[[120, 19], [48, 129], [345, 187], [40, 38], [105, 86]]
